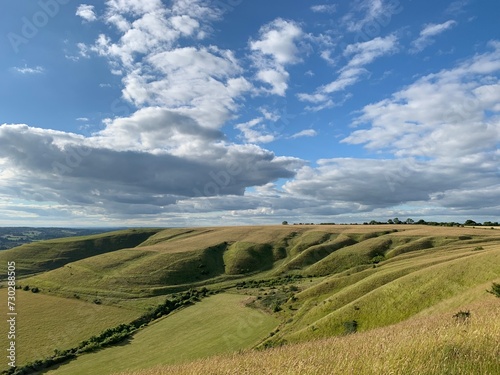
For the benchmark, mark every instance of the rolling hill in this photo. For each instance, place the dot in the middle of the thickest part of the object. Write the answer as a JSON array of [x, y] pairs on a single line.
[[311, 282]]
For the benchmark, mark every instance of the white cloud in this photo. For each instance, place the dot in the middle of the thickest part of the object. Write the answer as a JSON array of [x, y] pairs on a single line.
[[277, 78], [173, 143], [29, 70], [276, 48], [324, 8], [366, 12], [204, 83], [366, 52], [305, 133], [430, 30], [358, 55], [111, 173], [278, 41], [133, 7], [86, 12], [254, 131], [440, 115], [457, 7], [443, 133]]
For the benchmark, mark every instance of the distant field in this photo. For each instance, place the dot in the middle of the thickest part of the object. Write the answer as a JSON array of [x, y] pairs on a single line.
[[434, 345], [218, 324], [45, 323]]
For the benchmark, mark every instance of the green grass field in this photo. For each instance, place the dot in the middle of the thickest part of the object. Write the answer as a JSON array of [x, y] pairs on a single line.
[[218, 324], [45, 323]]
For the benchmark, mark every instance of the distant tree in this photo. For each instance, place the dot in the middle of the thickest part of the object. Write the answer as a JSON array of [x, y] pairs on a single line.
[[397, 221], [421, 222], [470, 222], [390, 221], [410, 221], [490, 224], [284, 222]]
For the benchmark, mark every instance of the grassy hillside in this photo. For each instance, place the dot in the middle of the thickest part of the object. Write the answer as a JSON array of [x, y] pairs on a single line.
[[432, 345], [313, 282], [51, 254], [180, 258], [395, 293], [216, 325]]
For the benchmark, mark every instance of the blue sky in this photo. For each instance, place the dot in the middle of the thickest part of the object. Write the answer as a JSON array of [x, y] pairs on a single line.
[[205, 112]]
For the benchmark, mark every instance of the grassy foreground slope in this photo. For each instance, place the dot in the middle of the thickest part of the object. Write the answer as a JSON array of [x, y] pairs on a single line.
[[218, 324], [432, 345], [45, 323]]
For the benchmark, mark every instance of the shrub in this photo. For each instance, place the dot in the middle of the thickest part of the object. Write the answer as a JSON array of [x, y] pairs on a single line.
[[35, 290], [377, 259], [350, 327], [495, 290], [462, 316]]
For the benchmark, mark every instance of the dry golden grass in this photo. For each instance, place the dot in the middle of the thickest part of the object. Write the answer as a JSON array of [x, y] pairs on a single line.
[[433, 345]]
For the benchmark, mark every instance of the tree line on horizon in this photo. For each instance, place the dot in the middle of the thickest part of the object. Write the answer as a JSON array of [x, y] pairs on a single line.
[[397, 221]]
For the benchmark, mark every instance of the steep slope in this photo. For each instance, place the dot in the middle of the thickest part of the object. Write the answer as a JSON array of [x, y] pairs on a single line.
[[51, 254], [432, 345]]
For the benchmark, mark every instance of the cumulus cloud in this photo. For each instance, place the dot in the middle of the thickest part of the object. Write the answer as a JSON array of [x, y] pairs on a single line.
[[444, 132], [452, 113], [254, 131], [70, 169], [276, 48], [429, 31], [86, 12], [171, 148], [170, 159], [204, 83]]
